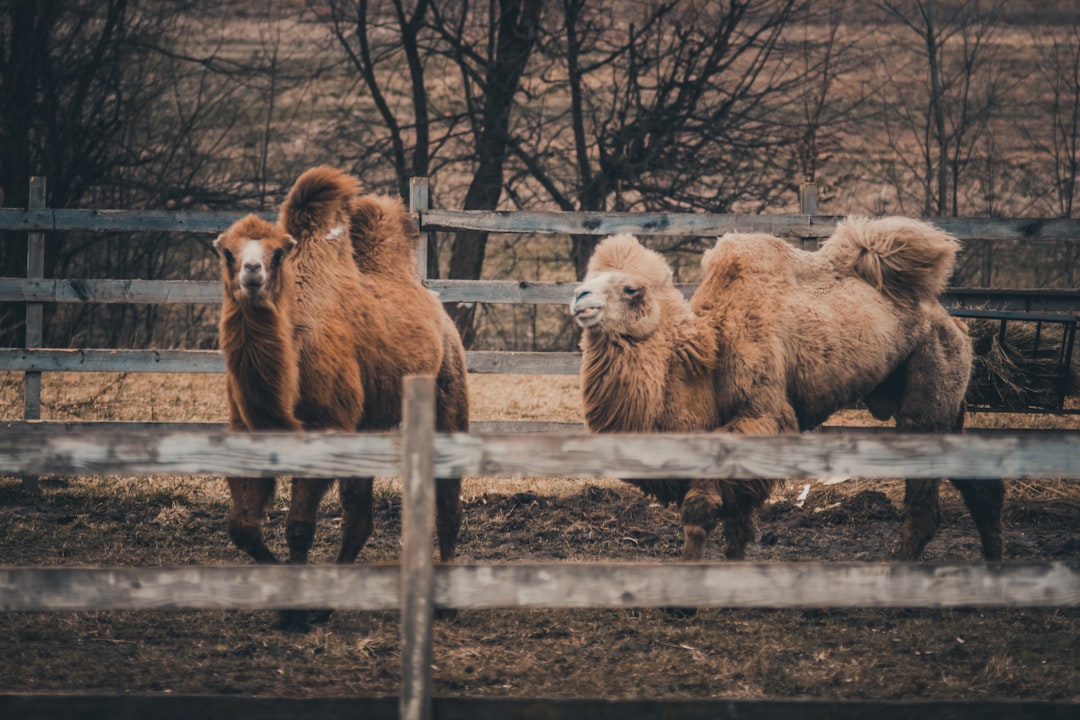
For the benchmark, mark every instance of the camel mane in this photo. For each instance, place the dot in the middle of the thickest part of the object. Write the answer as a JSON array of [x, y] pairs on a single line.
[[624, 253]]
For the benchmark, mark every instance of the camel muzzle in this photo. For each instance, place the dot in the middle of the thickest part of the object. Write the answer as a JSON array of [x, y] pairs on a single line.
[[586, 308]]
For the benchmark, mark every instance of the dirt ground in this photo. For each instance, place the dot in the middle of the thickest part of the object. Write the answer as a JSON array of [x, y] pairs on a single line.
[[966, 654]]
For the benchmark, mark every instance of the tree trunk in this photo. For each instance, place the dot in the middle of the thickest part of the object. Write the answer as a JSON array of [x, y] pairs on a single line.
[[516, 36]]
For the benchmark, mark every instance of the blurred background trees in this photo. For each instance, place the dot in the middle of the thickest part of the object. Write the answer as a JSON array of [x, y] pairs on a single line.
[[920, 107]]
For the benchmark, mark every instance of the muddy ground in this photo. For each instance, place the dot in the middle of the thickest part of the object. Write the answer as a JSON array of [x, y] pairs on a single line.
[[864, 654]]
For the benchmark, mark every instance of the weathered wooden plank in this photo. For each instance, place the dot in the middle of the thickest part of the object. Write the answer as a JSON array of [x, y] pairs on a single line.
[[864, 454], [548, 585], [135, 426], [704, 224], [201, 453], [1049, 454], [760, 585], [245, 587], [504, 291], [582, 223], [206, 292], [152, 292], [34, 331], [210, 361], [122, 220], [417, 565], [523, 363], [419, 201], [609, 223], [64, 360], [227, 707]]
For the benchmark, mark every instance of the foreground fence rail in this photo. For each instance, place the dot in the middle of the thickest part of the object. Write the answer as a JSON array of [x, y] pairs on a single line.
[[417, 586]]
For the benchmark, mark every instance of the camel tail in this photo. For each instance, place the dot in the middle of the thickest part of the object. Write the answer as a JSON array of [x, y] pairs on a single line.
[[904, 259], [318, 202]]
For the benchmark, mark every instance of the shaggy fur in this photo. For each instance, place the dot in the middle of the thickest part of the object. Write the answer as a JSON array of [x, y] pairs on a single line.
[[775, 340], [353, 321]]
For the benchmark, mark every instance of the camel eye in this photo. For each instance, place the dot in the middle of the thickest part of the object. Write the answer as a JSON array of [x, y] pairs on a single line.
[[278, 254], [630, 292]]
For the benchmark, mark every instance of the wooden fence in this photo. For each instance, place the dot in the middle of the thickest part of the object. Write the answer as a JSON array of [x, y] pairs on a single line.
[[418, 455], [1040, 305], [417, 586]]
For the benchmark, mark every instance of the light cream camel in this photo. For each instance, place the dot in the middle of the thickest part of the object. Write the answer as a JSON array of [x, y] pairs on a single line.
[[775, 340]]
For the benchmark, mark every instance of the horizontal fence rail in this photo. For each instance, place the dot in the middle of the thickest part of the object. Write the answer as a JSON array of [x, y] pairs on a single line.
[[576, 223], [211, 361], [864, 454], [551, 585], [526, 292]]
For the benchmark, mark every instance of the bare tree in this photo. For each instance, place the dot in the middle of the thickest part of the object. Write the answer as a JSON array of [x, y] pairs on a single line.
[[669, 109], [1059, 66], [489, 47], [944, 111]]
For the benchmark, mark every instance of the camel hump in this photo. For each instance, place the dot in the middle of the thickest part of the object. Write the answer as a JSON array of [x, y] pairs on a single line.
[[903, 258], [383, 234], [624, 253], [318, 202]]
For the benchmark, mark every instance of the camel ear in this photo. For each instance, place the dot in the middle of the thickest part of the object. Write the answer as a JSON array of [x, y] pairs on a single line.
[[217, 242], [290, 243]]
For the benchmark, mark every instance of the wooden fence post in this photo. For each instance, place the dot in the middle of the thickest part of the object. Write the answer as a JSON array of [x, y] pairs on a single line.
[[419, 202], [35, 270], [417, 561], [808, 198]]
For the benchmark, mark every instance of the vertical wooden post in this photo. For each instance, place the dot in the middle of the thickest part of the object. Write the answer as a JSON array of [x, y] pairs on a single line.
[[35, 270], [417, 561], [808, 198], [34, 331], [419, 202]]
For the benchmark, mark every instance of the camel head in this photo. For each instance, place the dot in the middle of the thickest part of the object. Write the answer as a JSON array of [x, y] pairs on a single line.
[[252, 254], [623, 290]]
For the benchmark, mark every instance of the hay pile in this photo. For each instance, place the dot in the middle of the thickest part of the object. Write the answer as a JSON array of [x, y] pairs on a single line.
[[1009, 373]]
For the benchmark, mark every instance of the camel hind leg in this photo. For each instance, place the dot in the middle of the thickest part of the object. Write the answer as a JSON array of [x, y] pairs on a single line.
[[451, 415], [357, 516], [742, 503], [250, 498], [936, 378]]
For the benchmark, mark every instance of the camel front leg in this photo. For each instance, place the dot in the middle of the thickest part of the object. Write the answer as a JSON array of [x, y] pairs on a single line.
[[922, 518], [250, 497], [700, 514]]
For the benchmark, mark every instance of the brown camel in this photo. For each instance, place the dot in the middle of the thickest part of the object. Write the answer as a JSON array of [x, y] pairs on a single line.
[[775, 340], [323, 317]]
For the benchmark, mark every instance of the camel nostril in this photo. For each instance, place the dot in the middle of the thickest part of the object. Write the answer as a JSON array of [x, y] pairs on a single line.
[[582, 294], [252, 267]]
